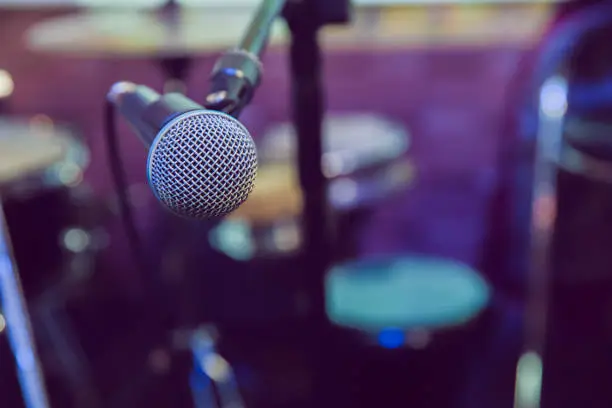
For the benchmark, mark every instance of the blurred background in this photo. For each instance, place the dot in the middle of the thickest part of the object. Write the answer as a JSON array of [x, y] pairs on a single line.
[[430, 137]]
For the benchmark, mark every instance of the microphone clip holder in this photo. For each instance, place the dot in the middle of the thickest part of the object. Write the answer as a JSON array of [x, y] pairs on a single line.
[[238, 72], [234, 79]]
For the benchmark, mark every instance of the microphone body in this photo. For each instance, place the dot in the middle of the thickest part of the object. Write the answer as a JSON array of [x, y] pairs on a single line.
[[146, 111], [201, 164]]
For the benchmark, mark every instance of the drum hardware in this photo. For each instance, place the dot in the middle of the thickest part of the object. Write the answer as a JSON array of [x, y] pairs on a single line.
[[212, 370], [19, 329]]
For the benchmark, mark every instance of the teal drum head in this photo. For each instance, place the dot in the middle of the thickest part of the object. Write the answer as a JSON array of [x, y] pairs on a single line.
[[388, 297]]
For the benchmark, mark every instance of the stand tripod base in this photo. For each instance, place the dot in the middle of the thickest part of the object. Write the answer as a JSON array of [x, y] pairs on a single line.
[[212, 373]]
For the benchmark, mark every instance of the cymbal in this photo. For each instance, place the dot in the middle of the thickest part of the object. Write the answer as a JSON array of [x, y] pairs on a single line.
[[111, 34], [379, 25], [25, 150]]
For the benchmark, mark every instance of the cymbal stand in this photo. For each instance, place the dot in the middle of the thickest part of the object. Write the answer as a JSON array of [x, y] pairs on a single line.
[[19, 328], [174, 68], [307, 94], [305, 19]]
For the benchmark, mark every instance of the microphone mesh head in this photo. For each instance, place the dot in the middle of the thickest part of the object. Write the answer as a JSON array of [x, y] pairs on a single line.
[[202, 165]]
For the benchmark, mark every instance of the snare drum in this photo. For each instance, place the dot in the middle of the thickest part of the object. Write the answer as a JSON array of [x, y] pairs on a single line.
[[402, 302], [407, 326], [364, 160], [41, 206]]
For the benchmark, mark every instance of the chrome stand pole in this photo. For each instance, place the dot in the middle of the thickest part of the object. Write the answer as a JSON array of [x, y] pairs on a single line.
[[211, 368], [18, 326]]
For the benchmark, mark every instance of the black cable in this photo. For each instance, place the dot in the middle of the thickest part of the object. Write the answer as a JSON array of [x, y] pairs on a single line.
[[121, 187], [156, 305]]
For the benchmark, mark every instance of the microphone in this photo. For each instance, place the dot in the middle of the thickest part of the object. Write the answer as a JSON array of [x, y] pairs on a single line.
[[201, 164]]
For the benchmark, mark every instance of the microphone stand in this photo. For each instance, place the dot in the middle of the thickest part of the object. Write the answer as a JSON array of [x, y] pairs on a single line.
[[237, 72]]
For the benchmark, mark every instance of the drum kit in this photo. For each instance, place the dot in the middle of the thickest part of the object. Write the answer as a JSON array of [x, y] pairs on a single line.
[[404, 302]]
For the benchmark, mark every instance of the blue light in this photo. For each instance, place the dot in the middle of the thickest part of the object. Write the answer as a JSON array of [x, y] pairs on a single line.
[[391, 338], [231, 72]]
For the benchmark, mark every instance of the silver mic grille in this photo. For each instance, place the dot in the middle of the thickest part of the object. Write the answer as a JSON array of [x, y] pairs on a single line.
[[202, 165]]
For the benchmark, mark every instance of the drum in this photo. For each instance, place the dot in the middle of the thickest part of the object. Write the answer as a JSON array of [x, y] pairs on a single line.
[[412, 318], [44, 208], [402, 302], [364, 160]]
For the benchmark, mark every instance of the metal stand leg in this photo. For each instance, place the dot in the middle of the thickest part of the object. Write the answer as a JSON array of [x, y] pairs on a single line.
[[18, 325], [210, 369]]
